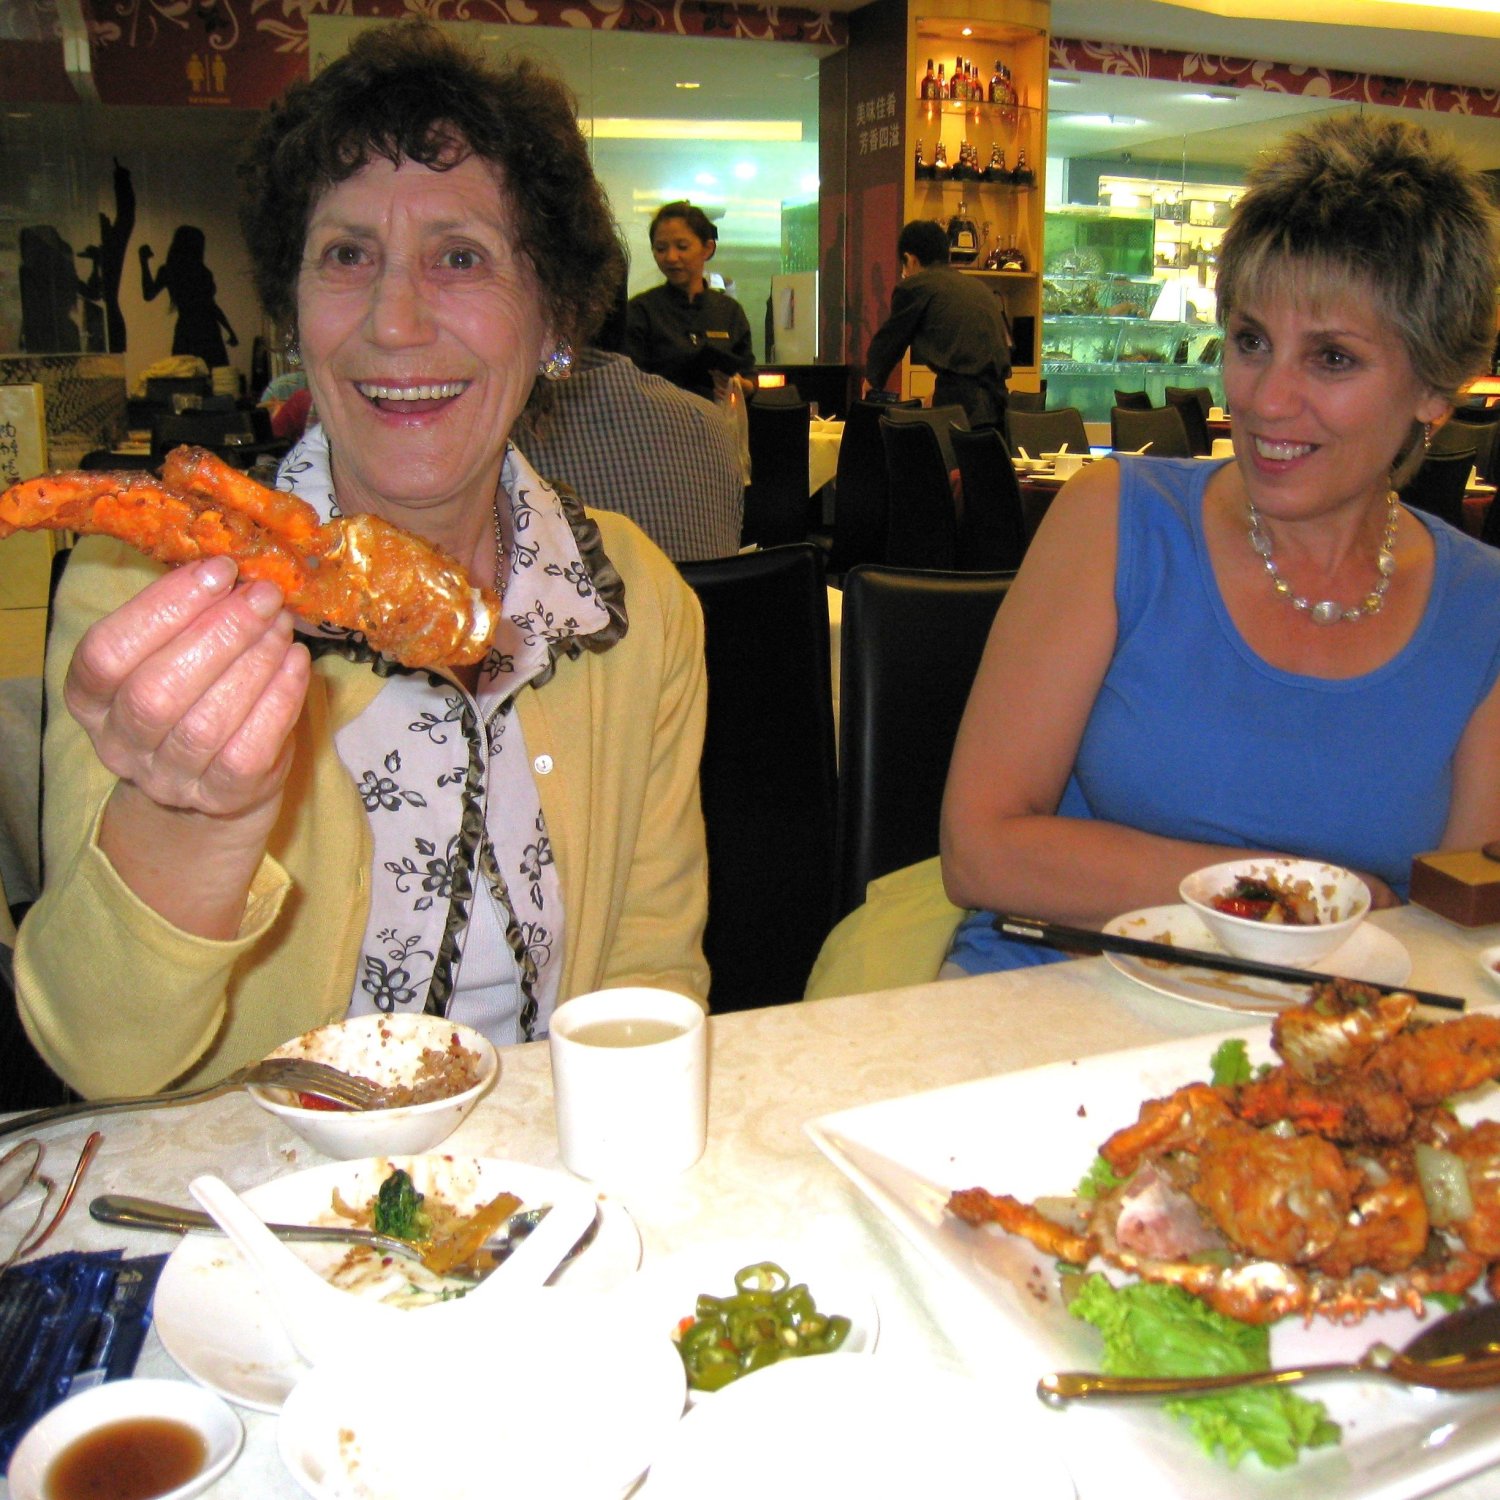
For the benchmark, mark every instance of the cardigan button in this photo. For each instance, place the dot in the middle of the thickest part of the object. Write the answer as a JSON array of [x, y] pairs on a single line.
[[542, 765]]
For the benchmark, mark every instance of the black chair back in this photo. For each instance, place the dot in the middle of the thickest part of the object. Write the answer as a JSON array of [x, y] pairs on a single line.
[[1133, 400], [1040, 432], [1191, 402], [1474, 429], [1438, 486], [107, 458], [1130, 431], [942, 420], [861, 492], [778, 395], [769, 772], [910, 646], [1489, 530], [1026, 401], [992, 528], [206, 429], [922, 527], [777, 499]]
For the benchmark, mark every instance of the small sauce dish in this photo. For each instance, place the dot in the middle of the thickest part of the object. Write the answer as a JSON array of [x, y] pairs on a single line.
[[1489, 961], [108, 1438]]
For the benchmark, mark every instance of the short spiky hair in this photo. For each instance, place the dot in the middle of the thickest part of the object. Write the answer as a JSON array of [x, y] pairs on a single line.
[[924, 238], [405, 92], [1373, 207]]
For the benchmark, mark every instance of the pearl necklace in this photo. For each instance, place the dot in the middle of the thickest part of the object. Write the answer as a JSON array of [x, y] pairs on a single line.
[[1330, 611]]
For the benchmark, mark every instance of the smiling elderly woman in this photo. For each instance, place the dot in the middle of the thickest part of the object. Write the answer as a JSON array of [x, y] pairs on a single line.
[[255, 824]]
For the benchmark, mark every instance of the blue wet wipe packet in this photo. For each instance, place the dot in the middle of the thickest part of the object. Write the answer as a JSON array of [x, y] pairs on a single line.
[[68, 1322]]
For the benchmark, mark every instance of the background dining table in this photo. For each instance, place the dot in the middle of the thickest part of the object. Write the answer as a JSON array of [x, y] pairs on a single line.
[[771, 1072]]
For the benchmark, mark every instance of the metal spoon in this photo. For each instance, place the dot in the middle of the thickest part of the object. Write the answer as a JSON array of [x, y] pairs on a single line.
[[146, 1213], [1460, 1352]]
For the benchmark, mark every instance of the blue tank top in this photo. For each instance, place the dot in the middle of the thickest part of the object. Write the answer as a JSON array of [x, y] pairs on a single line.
[[1195, 737]]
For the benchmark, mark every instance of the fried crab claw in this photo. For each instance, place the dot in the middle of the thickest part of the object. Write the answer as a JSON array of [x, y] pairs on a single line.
[[1335, 1184], [410, 601]]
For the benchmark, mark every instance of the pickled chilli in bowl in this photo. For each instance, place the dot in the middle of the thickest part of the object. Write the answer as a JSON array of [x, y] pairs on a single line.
[[1298, 910]]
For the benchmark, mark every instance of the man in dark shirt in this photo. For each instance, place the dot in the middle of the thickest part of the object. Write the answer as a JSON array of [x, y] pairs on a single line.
[[952, 323]]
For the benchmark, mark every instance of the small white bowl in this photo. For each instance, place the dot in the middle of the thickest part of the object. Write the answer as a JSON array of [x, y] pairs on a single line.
[[127, 1401], [1489, 962], [1342, 898], [386, 1049]]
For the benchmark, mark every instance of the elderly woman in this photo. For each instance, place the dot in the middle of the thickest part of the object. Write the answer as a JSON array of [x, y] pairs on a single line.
[[1271, 653], [684, 329], [254, 826]]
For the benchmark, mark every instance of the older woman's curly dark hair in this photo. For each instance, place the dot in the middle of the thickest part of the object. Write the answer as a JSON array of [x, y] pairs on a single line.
[[405, 92]]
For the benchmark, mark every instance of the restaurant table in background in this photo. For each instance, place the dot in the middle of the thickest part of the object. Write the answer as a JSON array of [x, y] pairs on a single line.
[[771, 1071], [823, 439]]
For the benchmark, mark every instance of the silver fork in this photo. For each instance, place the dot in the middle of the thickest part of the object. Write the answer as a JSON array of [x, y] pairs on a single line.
[[299, 1073]]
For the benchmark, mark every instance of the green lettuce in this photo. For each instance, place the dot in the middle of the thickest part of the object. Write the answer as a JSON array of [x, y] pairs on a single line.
[[1152, 1329], [1099, 1180]]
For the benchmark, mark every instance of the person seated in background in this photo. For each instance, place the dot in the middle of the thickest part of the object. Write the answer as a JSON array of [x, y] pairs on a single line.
[[255, 825], [684, 329], [638, 444], [293, 416], [1269, 653], [951, 322]]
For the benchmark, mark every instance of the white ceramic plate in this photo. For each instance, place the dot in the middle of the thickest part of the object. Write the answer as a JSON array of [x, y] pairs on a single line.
[[668, 1288], [1371, 954], [1036, 1132], [572, 1405], [123, 1401], [216, 1320], [813, 1429]]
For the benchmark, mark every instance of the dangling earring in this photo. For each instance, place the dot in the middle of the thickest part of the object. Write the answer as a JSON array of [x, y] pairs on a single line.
[[293, 351], [1426, 436], [559, 364]]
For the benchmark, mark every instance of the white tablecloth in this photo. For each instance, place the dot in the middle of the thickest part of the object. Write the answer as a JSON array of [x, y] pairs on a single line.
[[771, 1071], [823, 439]]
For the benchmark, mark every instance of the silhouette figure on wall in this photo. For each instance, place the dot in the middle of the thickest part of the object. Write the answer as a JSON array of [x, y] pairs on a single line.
[[104, 323], [49, 292], [190, 284]]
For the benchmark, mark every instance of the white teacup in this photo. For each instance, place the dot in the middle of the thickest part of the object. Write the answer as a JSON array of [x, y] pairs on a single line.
[[630, 1083], [1222, 448], [1066, 465]]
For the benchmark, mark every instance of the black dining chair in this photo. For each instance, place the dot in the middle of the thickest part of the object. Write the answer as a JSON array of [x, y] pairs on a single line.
[[1162, 427], [777, 499], [1438, 486], [204, 429], [1489, 530], [992, 525], [910, 644], [861, 491], [942, 420], [778, 395], [768, 777], [922, 526], [1026, 400], [1133, 400], [1476, 426], [1040, 432], [1192, 403]]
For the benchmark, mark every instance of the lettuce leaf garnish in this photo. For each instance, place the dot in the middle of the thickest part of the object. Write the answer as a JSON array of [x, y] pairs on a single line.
[[1152, 1329]]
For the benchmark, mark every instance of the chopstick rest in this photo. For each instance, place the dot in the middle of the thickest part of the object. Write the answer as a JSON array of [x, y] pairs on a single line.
[[1086, 940]]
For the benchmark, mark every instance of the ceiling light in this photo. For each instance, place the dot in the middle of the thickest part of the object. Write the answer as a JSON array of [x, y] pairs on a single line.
[[967, 31], [687, 85], [1214, 97], [693, 130], [1064, 80], [1102, 121]]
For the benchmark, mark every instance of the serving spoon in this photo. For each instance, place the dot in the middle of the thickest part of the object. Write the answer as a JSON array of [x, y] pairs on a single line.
[[1460, 1352]]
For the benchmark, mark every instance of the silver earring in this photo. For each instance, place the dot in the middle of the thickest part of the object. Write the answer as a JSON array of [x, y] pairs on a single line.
[[293, 352], [559, 364], [1426, 436]]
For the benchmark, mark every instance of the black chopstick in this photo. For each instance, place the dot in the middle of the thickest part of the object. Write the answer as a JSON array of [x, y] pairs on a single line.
[[1086, 940]]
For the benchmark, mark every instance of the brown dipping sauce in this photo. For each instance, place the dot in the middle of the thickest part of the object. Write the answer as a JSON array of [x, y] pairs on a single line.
[[134, 1459]]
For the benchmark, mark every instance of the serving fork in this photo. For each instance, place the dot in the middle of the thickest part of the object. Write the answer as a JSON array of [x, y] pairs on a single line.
[[299, 1073]]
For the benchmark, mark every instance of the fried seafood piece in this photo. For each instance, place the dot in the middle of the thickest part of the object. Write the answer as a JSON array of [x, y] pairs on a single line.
[[1431, 1063], [1177, 1122], [1338, 1028], [1356, 1108], [1479, 1151], [975, 1206], [406, 597], [1387, 1227], [1281, 1197]]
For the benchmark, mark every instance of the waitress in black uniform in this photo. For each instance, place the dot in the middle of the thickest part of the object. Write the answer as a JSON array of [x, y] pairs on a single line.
[[684, 330]]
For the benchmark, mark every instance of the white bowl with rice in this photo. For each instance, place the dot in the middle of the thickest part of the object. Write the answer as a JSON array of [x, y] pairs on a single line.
[[436, 1071]]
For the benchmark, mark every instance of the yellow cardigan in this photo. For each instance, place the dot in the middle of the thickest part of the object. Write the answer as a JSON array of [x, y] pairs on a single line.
[[119, 1001]]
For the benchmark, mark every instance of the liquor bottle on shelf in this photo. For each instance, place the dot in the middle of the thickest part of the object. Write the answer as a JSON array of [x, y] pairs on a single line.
[[991, 260], [1002, 89], [920, 169], [995, 169], [928, 89], [958, 85], [940, 162], [963, 237], [942, 83], [1023, 176], [976, 83]]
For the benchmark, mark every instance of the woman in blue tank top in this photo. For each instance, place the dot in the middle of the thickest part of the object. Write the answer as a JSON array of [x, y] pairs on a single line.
[[1270, 653]]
